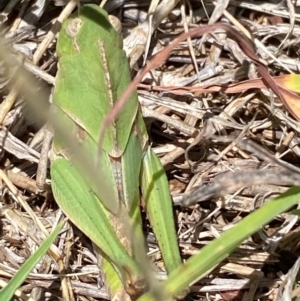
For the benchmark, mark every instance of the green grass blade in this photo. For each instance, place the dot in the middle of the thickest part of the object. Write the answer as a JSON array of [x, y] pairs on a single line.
[[199, 265], [7, 292]]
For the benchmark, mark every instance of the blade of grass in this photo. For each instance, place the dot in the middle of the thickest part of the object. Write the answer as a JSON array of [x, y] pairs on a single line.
[[7, 292], [199, 265]]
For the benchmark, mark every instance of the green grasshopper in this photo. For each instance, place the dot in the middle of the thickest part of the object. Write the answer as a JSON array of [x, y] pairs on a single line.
[[93, 73]]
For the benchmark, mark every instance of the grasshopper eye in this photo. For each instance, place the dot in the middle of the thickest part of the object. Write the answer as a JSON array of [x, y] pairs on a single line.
[[73, 27]]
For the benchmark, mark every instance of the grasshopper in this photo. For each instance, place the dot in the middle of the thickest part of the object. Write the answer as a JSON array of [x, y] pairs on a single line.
[[93, 73]]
